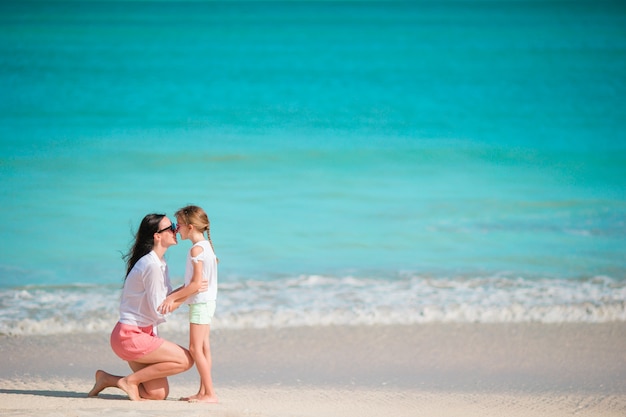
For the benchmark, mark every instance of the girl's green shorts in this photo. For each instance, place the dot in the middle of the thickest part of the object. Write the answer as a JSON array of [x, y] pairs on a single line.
[[201, 313]]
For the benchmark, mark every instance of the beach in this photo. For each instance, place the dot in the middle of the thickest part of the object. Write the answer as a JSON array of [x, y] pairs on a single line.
[[438, 369], [418, 207]]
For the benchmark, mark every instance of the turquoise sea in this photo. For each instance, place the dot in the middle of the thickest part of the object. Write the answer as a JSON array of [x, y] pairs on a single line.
[[362, 162]]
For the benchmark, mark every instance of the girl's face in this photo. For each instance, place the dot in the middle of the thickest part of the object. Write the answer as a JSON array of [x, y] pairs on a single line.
[[183, 229]]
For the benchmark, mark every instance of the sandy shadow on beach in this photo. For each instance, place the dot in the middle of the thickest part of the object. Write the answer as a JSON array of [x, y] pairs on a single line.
[[60, 394]]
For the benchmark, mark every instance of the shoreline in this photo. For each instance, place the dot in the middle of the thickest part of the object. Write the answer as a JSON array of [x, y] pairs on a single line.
[[441, 369]]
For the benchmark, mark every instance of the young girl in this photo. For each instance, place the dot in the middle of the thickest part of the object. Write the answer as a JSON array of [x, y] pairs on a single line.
[[201, 265]]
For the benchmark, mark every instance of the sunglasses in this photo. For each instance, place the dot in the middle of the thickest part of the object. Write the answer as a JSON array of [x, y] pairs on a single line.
[[173, 227]]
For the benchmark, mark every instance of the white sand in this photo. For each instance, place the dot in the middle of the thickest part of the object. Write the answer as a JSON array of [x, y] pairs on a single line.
[[431, 370]]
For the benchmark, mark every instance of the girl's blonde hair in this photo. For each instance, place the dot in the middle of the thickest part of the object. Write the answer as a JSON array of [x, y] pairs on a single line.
[[198, 218]]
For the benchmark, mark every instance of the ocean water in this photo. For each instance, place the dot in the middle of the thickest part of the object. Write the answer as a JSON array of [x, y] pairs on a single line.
[[372, 162]]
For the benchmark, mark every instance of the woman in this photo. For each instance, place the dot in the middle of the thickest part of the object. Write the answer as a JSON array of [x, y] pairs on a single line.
[[134, 339]]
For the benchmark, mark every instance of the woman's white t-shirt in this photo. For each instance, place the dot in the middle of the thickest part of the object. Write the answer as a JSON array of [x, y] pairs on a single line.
[[145, 288]]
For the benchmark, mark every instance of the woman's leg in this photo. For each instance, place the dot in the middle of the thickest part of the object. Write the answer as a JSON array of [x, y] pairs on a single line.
[[150, 372], [156, 389], [103, 380]]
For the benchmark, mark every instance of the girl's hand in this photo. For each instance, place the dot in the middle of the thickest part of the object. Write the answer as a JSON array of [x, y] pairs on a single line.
[[177, 304]]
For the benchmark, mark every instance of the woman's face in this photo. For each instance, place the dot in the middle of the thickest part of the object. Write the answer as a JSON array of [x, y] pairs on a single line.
[[167, 233]]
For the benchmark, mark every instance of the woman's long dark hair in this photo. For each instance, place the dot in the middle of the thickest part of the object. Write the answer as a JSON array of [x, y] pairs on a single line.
[[144, 240]]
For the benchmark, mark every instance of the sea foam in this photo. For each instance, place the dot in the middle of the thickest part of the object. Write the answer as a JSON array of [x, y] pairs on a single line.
[[314, 300]]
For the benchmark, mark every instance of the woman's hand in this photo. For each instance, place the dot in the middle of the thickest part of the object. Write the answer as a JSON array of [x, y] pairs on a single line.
[[167, 306]]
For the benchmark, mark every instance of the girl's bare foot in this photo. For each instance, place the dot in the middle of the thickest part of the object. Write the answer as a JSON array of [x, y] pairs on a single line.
[[210, 399], [131, 390], [193, 397]]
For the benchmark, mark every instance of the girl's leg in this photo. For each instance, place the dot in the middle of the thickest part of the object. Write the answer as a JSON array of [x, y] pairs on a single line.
[[199, 348], [150, 371], [196, 337], [206, 349]]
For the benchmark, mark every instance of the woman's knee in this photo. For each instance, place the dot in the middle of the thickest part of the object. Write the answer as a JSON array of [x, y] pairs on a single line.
[[176, 354], [183, 358], [188, 361]]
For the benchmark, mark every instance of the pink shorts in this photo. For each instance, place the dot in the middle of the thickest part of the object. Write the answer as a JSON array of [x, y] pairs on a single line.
[[132, 342]]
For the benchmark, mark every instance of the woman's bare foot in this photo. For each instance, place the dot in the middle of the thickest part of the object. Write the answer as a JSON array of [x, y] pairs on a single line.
[[210, 399], [131, 390], [103, 380]]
